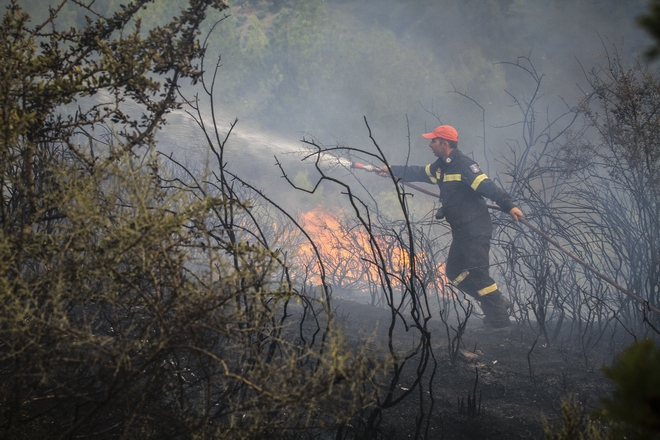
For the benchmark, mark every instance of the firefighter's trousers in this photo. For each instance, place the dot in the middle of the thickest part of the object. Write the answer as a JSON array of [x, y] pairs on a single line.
[[468, 269]]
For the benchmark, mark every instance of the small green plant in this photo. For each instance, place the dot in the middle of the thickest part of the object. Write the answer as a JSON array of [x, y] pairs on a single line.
[[575, 424], [632, 410], [635, 400]]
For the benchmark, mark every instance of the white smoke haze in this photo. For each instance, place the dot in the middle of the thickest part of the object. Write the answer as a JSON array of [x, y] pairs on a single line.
[[255, 154], [416, 53], [397, 64]]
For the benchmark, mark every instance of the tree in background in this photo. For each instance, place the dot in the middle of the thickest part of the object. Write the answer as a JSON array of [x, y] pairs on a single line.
[[140, 300], [651, 23]]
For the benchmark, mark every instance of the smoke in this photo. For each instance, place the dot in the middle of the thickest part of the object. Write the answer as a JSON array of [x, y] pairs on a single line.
[[407, 67], [259, 156], [399, 64]]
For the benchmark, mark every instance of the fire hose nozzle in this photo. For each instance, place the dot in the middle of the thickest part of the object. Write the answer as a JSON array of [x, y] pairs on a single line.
[[360, 166]]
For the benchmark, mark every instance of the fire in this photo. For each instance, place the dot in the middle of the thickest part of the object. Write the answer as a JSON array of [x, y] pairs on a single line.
[[350, 257]]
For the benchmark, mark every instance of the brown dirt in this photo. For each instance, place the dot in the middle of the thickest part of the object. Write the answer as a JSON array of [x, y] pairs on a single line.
[[520, 380]]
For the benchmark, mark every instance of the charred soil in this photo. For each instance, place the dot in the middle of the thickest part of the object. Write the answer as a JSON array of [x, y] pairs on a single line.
[[488, 386]]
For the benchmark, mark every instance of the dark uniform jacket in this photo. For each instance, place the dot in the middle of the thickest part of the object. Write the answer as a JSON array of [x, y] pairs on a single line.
[[463, 187]]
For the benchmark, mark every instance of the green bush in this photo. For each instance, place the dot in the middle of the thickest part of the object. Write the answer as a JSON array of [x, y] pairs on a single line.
[[138, 299], [635, 400], [633, 409]]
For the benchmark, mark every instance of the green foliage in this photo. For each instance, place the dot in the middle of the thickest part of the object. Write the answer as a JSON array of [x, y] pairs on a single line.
[[103, 55], [633, 409], [134, 302], [267, 50], [575, 425], [651, 23], [636, 397]]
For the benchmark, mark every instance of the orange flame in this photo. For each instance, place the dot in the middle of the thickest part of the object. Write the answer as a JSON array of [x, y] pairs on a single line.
[[349, 254]]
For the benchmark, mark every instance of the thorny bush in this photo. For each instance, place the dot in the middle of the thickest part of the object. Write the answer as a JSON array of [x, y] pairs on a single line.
[[133, 305]]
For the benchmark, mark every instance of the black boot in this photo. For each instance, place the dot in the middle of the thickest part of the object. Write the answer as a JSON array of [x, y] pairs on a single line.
[[494, 308]]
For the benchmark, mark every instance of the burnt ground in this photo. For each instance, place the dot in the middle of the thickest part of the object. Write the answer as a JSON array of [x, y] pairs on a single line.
[[520, 380]]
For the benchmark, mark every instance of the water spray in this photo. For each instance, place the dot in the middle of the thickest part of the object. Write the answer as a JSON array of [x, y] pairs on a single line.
[[336, 160], [549, 239], [326, 160]]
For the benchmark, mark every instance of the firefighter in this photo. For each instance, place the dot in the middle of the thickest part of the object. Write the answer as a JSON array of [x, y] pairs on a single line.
[[463, 187]]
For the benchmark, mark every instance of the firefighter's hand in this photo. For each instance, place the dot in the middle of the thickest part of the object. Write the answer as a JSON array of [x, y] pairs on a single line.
[[383, 171], [516, 213]]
